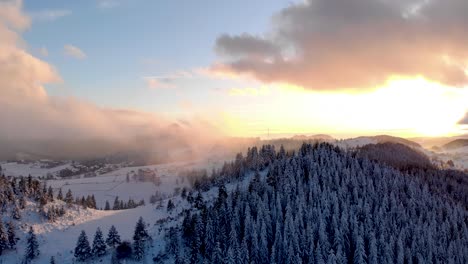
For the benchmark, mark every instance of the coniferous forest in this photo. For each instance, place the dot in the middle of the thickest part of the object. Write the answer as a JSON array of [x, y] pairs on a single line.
[[322, 205]]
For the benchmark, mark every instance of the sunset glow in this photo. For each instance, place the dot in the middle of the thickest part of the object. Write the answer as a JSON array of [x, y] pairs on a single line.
[[404, 107]]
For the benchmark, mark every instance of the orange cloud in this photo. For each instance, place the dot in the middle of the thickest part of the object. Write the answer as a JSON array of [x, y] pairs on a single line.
[[32, 121], [249, 91], [354, 44]]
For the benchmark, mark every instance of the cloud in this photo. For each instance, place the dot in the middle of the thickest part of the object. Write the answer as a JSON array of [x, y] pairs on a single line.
[[36, 123], [155, 83], [11, 15], [249, 91], [354, 44], [44, 52], [106, 4], [50, 14], [464, 120], [168, 81], [74, 52]]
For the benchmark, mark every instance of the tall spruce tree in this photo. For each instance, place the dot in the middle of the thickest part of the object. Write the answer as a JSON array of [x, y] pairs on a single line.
[[69, 197], [139, 239], [3, 238], [12, 239], [32, 246], [113, 237], [99, 245], [60, 195], [82, 249]]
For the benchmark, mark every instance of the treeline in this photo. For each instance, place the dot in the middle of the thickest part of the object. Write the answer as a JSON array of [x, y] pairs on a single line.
[[322, 205], [448, 183], [121, 205], [256, 159], [120, 250]]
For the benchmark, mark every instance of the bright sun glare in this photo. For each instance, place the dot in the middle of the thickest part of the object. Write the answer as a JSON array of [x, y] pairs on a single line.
[[404, 107]]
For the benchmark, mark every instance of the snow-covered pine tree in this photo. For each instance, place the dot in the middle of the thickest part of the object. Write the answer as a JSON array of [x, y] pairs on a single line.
[[138, 249], [69, 197], [140, 230], [113, 237], [50, 194], [12, 239], [99, 245], [139, 238], [32, 246], [16, 214], [116, 204], [82, 249], [170, 205], [52, 260], [3, 238], [60, 195]]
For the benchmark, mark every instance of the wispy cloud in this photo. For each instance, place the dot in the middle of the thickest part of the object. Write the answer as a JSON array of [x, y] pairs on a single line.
[[43, 52], [249, 91], [106, 4], [50, 14], [74, 52], [168, 81], [154, 83]]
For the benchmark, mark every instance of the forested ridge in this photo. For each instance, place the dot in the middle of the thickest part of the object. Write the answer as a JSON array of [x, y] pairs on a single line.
[[321, 205]]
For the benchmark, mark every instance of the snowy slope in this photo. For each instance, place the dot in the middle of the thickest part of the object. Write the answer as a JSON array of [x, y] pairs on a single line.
[[34, 169]]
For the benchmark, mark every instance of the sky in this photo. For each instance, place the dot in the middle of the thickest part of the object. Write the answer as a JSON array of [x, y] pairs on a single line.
[[115, 69]]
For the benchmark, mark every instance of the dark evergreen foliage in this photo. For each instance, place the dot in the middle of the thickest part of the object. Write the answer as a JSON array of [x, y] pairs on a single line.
[[113, 237], [82, 249], [324, 205], [32, 246], [99, 245]]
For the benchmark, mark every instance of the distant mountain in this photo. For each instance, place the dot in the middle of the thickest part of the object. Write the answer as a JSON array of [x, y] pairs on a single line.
[[456, 144], [397, 155], [321, 137], [366, 140]]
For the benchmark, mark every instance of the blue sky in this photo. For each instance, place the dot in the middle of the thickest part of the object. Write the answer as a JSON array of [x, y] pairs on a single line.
[[302, 66], [132, 39]]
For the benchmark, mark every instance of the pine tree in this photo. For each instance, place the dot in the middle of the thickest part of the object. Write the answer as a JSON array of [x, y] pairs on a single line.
[[82, 249], [60, 195], [113, 237], [359, 252], [16, 214], [32, 246], [52, 260], [116, 204], [69, 197], [107, 207], [50, 194], [170, 205], [138, 249], [99, 246], [139, 238], [22, 202], [12, 239], [140, 230], [3, 238]]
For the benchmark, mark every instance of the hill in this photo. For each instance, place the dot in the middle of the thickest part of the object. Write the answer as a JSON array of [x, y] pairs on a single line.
[[456, 144], [396, 155], [365, 140], [315, 204]]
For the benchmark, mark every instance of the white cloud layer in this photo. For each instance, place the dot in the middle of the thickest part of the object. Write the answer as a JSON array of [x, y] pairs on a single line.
[[34, 122]]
